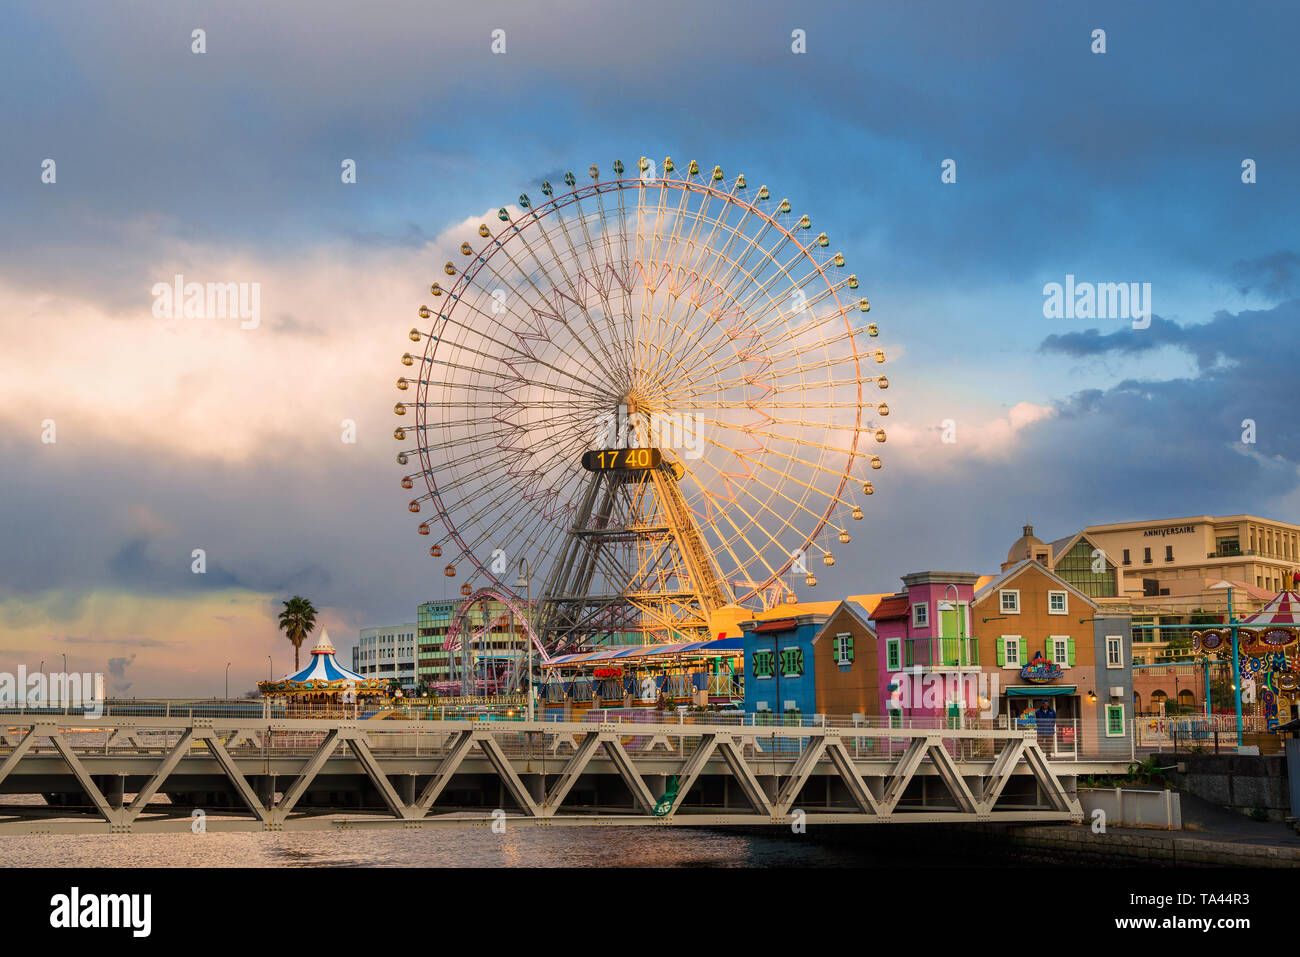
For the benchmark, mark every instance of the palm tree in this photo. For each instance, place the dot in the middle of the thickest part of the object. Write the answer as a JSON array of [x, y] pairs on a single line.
[[297, 621]]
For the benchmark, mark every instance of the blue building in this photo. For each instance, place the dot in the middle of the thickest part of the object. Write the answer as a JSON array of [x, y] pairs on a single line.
[[780, 676]]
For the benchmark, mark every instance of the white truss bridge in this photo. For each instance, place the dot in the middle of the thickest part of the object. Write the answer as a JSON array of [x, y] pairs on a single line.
[[72, 774]]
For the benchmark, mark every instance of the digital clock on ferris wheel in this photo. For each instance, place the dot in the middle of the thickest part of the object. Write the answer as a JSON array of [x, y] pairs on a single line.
[[621, 460]]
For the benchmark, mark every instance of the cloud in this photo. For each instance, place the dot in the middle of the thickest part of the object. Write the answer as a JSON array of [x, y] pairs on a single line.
[[975, 436], [1277, 275], [117, 683]]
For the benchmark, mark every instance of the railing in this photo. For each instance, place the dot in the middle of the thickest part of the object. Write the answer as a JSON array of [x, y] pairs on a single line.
[[1071, 739], [940, 652]]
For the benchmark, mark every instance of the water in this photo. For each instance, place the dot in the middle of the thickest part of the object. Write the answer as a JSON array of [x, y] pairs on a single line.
[[437, 847]]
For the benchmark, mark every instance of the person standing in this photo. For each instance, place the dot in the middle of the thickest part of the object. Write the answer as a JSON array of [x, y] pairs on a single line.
[[1045, 718]]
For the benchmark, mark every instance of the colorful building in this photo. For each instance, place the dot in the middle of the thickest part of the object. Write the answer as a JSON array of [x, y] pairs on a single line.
[[779, 663], [1040, 639], [928, 659], [846, 660]]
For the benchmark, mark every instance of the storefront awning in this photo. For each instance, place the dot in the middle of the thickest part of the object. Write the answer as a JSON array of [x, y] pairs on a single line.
[[1041, 691]]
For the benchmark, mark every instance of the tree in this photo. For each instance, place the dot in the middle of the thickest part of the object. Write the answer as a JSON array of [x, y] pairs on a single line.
[[297, 622]]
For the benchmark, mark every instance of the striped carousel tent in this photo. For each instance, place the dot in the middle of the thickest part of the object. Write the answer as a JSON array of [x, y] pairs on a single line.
[[324, 677], [1283, 609]]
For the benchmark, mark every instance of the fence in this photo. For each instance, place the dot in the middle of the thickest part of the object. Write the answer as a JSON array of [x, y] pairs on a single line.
[[1124, 807], [1071, 739]]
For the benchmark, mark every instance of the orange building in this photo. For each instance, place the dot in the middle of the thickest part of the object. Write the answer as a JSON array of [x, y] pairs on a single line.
[[847, 661], [1045, 640]]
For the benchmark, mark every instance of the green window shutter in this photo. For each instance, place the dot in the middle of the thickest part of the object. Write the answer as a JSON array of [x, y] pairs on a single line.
[[1051, 650], [1002, 652], [1024, 652], [1069, 652], [835, 648], [848, 651], [1114, 720]]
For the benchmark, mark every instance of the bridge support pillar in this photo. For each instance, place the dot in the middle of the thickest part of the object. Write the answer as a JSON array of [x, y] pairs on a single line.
[[536, 787], [114, 789], [408, 788], [266, 790]]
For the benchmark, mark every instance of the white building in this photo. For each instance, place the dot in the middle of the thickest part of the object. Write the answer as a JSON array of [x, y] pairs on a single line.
[[387, 652]]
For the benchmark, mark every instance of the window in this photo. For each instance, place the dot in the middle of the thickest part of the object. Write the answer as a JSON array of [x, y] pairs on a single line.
[[1009, 601], [1060, 650], [764, 664], [1057, 602], [842, 649], [921, 615], [1114, 651], [791, 662], [1089, 570], [894, 654], [1146, 556], [1169, 553], [895, 719], [1114, 721], [1127, 558], [1009, 652]]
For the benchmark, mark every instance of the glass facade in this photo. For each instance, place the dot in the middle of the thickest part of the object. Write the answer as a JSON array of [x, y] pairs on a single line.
[[1075, 567]]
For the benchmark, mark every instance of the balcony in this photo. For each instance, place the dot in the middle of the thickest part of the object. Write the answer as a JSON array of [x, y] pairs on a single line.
[[1230, 553], [940, 652]]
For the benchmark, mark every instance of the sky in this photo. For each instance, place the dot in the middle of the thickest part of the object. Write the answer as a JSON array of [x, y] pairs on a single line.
[[172, 434]]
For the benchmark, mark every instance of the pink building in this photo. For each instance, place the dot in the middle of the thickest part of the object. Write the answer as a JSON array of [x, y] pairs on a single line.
[[929, 659]]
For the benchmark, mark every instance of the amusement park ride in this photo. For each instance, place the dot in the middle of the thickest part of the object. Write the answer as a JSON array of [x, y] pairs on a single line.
[[655, 389]]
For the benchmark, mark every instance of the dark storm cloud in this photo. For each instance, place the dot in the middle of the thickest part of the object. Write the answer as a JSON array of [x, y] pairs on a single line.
[[1257, 340], [1277, 274], [1093, 342]]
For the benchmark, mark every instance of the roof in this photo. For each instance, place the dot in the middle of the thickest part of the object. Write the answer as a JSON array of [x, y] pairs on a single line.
[[892, 606], [715, 646], [1058, 546], [1253, 591], [1017, 569], [1284, 609], [323, 666], [868, 603], [860, 611], [1023, 546]]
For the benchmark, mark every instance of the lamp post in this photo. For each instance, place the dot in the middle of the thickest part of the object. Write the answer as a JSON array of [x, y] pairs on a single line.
[[1236, 666], [953, 606], [228, 680], [270, 669], [525, 582], [65, 682]]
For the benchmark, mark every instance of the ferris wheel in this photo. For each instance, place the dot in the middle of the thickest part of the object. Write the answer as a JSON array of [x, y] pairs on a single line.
[[661, 387]]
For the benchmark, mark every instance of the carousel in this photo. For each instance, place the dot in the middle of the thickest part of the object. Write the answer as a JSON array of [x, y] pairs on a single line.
[[1267, 652], [324, 686]]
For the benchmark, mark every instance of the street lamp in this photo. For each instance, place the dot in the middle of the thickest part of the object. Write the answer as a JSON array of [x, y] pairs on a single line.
[[955, 607], [65, 682], [227, 680], [524, 581], [270, 670]]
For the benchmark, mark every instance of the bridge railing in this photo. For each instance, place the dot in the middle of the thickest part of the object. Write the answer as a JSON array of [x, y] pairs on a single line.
[[1071, 739]]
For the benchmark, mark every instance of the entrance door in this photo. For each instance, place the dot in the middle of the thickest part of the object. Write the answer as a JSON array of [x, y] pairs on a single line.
[[1068, 730], [952, 624]]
